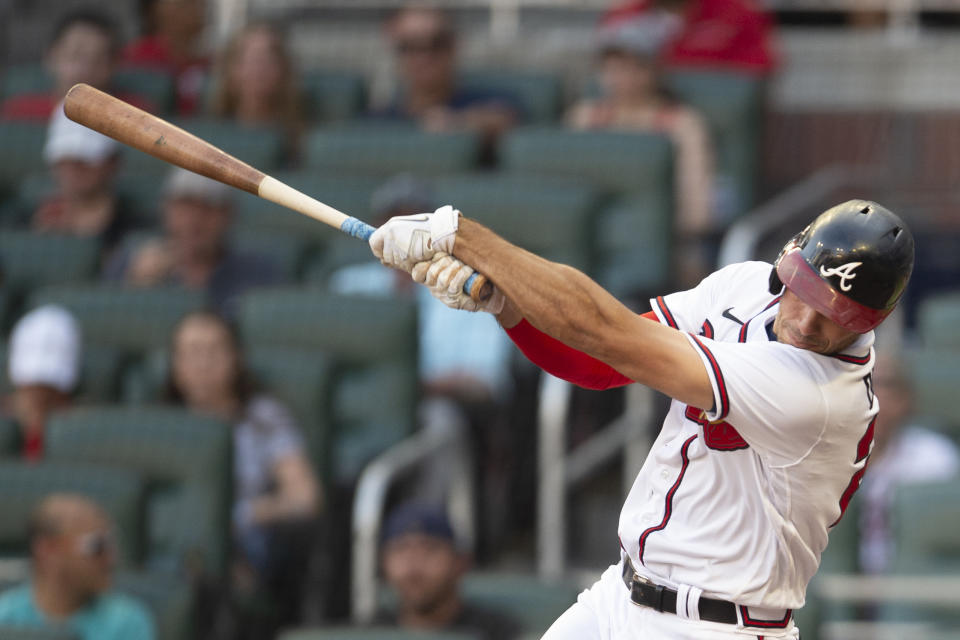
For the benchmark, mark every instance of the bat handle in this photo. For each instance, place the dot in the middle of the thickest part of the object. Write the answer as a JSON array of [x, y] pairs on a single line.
[[477, 286]]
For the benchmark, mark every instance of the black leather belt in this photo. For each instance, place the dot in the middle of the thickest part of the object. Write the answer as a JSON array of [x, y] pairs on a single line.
[[656, 596]]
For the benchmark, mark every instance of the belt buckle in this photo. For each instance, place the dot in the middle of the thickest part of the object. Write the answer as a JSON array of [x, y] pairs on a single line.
[[658, 589]]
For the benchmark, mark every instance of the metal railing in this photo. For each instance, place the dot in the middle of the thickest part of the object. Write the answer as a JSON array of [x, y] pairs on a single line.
[[559, 471], [370, 499]]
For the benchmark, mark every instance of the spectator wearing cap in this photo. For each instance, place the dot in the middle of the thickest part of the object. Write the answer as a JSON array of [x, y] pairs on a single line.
[[85, 47], [725, 35], [634, 98], [193, 251], [44, 367], [72, 554], [424, 42], [85, 202], [424, 565]]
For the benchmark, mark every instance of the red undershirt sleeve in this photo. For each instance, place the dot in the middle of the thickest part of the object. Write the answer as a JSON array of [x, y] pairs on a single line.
[[565, 362]]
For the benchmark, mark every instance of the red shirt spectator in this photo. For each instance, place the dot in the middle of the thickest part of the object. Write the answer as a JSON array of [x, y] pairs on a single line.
[[151, 52], [172, 42], [84, 48], [714, 34]]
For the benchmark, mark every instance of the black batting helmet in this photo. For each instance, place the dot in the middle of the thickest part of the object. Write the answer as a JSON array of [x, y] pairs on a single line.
[[851, 264]]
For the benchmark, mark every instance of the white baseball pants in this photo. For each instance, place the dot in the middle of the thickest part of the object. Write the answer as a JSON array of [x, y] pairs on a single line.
[[605, 612]]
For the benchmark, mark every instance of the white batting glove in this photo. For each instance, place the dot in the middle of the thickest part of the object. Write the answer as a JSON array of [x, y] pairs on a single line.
[[403, 241], [445, 276]]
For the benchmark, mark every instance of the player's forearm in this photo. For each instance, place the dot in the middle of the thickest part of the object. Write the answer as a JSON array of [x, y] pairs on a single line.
[[559, 300], [570, 307]]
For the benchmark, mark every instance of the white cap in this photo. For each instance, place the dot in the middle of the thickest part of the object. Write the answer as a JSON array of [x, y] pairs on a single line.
[[643, 35], [45, 349], [67, 139]]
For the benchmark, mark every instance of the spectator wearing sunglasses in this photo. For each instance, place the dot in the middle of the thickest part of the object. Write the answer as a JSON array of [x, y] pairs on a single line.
[[73, 554], [425, 45]]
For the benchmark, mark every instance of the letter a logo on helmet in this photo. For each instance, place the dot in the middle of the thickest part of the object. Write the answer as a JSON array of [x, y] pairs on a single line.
[[845, 272], [857, 240]]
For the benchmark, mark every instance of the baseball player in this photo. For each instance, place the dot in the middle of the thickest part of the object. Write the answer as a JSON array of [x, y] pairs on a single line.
[[770, 426]]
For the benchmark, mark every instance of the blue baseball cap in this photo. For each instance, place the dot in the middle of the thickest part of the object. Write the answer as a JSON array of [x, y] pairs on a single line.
[[418, 518]]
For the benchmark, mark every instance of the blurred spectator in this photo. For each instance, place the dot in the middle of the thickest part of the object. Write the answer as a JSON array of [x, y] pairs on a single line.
[[424, 566], [44, 367], [257, 85], [85, 47], [85, 203], [465, 370], [171, 41], [634, 98], [727, 35], [194, 252], [424, 41], [73, 553], [903, 453], [276, 494]]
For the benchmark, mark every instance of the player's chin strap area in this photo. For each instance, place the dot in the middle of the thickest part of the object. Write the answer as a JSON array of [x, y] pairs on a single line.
[[685, 602]]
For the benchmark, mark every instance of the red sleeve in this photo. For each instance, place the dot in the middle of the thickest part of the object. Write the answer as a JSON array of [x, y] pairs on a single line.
[[565, 362]]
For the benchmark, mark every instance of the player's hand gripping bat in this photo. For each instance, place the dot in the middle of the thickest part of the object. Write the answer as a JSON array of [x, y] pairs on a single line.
[[132, 126]]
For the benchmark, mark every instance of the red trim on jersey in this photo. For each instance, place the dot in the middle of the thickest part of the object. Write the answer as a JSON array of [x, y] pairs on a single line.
[[720, 436], [743, 329], [772, 302], [668, 501], [766, 624], [853, 359], [565, 362], [724, 407], [707, 329], [863, 453], [666, 312]]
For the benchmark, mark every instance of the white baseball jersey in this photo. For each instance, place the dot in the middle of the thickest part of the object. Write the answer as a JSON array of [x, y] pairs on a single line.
[[738, 499]]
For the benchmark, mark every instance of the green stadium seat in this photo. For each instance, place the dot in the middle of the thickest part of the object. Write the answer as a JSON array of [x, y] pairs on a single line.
[[935, 377], [32, 260], [550, 217], [100, 369], [372, 633], [926, 518], [9, 437], [120, 492], [25, 78], [14, 632], [22, 144], [169, 598], [384, 149], [732, 104], [333, 95], [132, 320], [614, 161], [633, 245], [938, 319], [153, 85], [187, 459], [539, 94], [261, 148], [286, 251], [532, 602], [373, 344]]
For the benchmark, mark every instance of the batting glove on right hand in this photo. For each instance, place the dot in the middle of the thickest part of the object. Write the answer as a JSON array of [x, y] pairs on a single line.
[[403, 241], [445, 276]]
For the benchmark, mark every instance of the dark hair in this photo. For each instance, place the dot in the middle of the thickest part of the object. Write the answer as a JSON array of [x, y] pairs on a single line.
[[244, 387], [90, 18]]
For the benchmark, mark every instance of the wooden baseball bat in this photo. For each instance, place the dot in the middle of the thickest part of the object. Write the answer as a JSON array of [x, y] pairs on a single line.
[[148, 133]]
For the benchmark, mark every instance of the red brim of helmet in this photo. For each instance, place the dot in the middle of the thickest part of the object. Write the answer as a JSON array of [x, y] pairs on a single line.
[[803, 281]]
